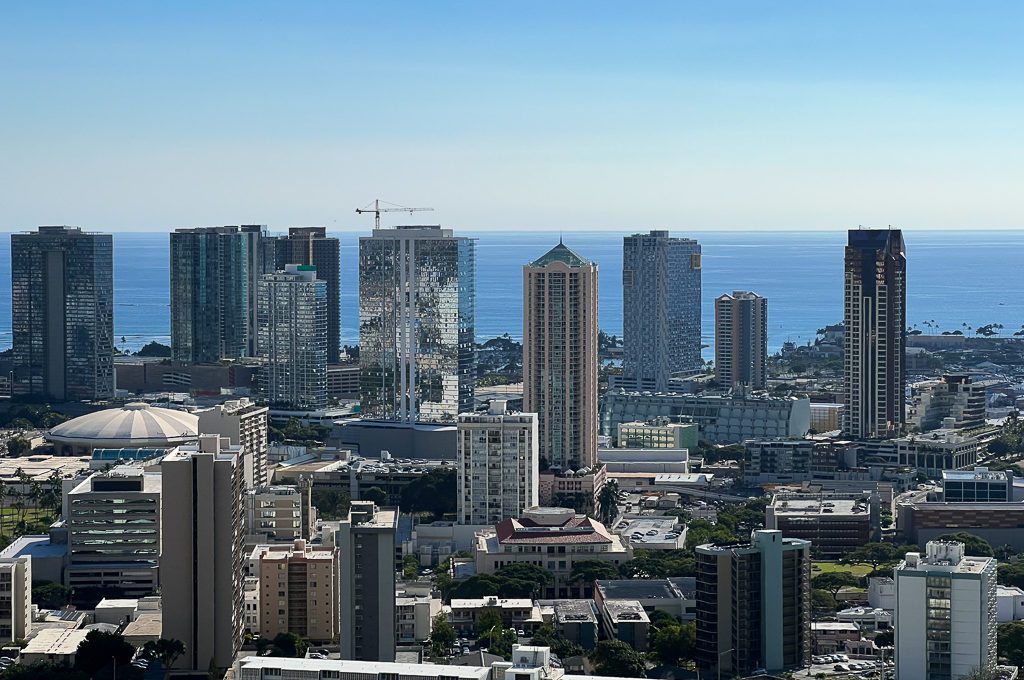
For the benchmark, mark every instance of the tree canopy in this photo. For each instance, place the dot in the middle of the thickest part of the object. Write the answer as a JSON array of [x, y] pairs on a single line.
[[442, 636], [616, 658], [435, 492], [975, 546], [834, 581], [99, 648]]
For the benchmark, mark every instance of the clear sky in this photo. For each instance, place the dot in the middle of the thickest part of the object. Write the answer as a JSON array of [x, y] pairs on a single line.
[[551, 114]]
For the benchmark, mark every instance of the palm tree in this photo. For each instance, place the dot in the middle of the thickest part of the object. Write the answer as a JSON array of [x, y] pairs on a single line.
[[608, 501]]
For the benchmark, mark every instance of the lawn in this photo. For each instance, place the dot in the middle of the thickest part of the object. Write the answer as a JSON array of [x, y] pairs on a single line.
[[859, 570]]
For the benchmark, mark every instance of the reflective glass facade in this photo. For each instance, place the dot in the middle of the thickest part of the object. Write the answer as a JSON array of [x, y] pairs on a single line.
[[661, 309], [292, 337], [213, 275], [62, 285], [417, 297]]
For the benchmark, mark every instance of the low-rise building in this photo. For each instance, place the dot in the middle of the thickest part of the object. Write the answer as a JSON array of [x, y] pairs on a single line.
[[979, 485], [1009, 604], [15, 598], [652, 460], [652, 533], [657, 433], [515, 612], [626, 620], [552, 538], [929, 453], [866, 618], [834, 523], [882, 593], [58, 645], [829, 637], [784, 461], [414, 617], [576, 621], [919, 521], [674, 596], [578, 489]]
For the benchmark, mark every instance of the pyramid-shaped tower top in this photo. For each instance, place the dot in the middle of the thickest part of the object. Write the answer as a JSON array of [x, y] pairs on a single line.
[[561, 253]]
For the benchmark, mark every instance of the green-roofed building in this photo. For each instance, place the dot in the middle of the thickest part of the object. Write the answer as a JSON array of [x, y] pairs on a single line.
[[560, 355]]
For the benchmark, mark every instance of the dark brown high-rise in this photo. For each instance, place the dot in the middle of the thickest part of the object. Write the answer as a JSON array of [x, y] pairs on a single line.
[[312, 246], [875, 328]]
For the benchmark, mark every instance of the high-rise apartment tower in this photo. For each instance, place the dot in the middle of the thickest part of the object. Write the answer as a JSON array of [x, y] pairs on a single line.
[[417, 296], [62, 314], [741, 340], [875, 328], [661, 309], [560, 355]]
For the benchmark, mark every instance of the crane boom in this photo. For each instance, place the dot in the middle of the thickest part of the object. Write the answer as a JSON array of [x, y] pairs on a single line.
[[377, 210]]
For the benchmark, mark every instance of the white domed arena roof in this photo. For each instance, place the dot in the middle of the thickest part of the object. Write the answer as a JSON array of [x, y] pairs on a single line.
[[136, 424]]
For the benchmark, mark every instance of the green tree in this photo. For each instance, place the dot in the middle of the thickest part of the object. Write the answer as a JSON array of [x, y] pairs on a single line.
[[586, 572], [435, 492], [834, 581], [164, 650], [442, 636], [49, 595], [547, 636], [616, 658], [675, 643], [499, 641], [823, 600], [975, 546], [97, 650], [875, 554], [44, 670], [330, 504], [18, 446], [608, 501], [375, 494], [410, 566], [488, 618], [1010, 641], [288, 645], [1011, 574], [885, 639]]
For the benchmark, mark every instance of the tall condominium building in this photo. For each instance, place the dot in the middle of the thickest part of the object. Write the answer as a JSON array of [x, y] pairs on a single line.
[[292, 337], [366, 539], [417, 297], [298, 591], [105, 552], [498, 465], [753, 604], [741, 340], [945, 619], [312, 246], [214, 271], [661, 309], [62, 313], [875, 327], [560, 355], [15, 598], [202, 567], [244, 423]]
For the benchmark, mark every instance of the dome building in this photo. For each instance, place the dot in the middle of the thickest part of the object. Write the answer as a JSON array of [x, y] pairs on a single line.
[[136, 425]]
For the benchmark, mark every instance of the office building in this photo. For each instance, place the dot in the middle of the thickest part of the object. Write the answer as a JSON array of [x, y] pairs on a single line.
[[658, 433], [979, 485], [720, 419], [292, 337], [945, 619], [954, 397], [498, 465], [919, 521], [312, 246], [753, 605], [244, 423], [875, 328], [203, 542], [741, 340], [553, 538], [113, 522], [784, 461], [62, 314], [298, 591], [930, 453], [366, 539], [661, 305], [417, 297], [214, 272], [834, 523], [15, 599], [560, 355]]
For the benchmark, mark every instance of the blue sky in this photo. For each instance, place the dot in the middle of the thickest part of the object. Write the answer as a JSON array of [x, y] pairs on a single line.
[[537, 115]]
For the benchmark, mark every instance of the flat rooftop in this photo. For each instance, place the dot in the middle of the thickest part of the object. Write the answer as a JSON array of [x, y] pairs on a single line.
[[640, 589], [626, 611], [575, 611], [789, 507], [56, 641], [367, 668]]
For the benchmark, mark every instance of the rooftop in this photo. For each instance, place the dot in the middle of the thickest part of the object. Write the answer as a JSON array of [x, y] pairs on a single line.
[[56, 641], [560, 253], [368, 668], [575, 611], [626, 611], [645, 589], [577, 529], [134, 422], [978, 474]]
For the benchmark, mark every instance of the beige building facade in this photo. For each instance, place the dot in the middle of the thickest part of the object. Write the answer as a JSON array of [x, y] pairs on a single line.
[[298, 591]]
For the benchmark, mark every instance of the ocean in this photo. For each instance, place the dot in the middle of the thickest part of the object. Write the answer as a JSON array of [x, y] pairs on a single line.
[[954, 278]]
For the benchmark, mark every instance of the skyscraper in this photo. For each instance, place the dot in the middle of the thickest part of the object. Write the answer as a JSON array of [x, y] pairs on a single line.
[[366, 539], [417, 296], [753, 604], [203, 540], [498, 465], [875, 327], [62, 313], [741, 340], [312, 246], [292, 337], [560, 355], [214, 272], [945, 623], [661, 309]]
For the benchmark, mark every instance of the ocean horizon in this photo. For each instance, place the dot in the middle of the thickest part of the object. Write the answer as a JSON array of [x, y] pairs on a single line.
[[956, 280]]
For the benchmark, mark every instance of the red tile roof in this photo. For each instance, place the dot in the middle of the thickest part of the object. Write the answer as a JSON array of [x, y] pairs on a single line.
[[579, 529]]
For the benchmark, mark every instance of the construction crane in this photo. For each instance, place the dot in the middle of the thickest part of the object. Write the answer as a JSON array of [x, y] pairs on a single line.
[[377, 210]]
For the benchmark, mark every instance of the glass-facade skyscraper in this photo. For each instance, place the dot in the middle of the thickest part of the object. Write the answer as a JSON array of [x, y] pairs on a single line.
[[292, 337], [874, 333], [62, 313], [214, 271], [417, 297], [661, 309], [311, 245]]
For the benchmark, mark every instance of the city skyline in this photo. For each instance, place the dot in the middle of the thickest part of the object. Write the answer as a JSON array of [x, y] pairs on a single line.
[[604, 117]]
